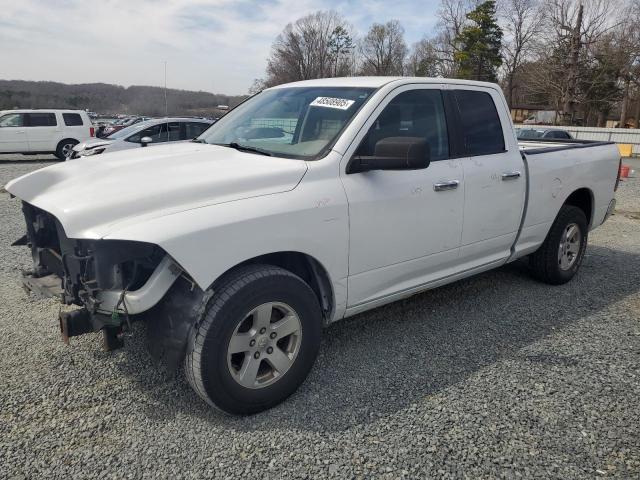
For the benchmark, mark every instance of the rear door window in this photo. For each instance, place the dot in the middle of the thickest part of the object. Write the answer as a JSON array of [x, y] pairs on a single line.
[[41, 119], [194, 129], [72, 119], [481, 124]]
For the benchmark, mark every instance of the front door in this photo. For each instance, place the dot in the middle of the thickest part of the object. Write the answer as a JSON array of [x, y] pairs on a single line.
[[13, 137], [405, 225]]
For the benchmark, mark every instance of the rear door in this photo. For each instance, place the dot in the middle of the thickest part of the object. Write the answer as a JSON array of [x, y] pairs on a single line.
[[495, 184], [43, 131], [13, 135]]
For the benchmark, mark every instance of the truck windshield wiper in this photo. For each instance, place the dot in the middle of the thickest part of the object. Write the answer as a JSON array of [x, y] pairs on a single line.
[[198, 140], [247, 148]]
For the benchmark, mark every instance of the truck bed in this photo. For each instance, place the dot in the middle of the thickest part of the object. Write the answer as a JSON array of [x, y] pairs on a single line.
[[545, 145], [555, 170]]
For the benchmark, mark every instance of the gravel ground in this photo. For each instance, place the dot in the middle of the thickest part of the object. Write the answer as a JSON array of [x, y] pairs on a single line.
[[494, 376], [17, 159]]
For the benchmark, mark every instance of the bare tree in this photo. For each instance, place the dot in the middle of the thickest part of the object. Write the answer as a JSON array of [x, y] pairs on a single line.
[[423, 60], [383, 49], [627, 36], [523, 20], [315, 46], [577, 25]]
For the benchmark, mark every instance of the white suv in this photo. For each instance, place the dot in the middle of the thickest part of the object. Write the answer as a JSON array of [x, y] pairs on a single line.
[[43, 131]]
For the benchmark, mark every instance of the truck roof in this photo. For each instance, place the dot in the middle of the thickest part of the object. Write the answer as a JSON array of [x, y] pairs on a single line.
[[377, 82]]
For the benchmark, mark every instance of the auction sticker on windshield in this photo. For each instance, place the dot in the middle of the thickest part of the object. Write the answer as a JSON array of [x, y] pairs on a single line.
[[330, 102]]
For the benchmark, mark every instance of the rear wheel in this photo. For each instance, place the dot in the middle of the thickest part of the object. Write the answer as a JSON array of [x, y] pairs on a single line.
[[257, 341], [65, 148], [560, 256]]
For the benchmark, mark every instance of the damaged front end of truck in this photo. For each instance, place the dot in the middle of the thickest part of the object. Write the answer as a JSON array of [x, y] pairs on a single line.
[[114, 282]]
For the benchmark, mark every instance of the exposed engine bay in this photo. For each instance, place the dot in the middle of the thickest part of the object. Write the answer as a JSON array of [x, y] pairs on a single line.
[[115, 282]]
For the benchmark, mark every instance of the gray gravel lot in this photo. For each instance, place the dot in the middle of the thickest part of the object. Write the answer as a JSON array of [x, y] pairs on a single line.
[[494, 376], [17, 159]]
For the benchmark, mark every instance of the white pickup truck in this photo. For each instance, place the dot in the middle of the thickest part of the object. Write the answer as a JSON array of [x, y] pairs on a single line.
[[308, 203]]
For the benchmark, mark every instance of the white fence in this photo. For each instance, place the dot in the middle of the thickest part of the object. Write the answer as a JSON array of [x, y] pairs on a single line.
[[617, 135]]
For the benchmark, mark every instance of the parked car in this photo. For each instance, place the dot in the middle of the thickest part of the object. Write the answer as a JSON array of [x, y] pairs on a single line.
[[308, 203], [43, 131], [545, 133], [150, 132]]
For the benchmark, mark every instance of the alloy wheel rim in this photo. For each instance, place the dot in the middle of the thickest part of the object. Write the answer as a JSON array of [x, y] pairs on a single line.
[[264, 345], [569, 249], [67, 149]]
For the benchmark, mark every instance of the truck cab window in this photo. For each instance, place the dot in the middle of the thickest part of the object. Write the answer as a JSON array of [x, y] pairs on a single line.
[[480, 123], [414, 113]]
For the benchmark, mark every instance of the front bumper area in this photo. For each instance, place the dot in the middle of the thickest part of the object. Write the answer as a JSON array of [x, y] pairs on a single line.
[[112, 280], [81, 321]]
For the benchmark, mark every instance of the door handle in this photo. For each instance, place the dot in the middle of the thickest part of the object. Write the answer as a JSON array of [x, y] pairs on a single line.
[[510, 175], [448, 185]]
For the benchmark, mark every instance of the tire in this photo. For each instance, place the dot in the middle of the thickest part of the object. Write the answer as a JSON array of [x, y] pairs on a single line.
[[64, 148], [216, 374], [548, 264]]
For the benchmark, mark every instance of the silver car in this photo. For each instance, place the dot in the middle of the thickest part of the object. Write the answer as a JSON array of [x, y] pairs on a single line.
[[545, 133], [150, 132]]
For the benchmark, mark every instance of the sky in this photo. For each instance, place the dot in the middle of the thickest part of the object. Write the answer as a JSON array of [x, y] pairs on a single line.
[[218, 46]]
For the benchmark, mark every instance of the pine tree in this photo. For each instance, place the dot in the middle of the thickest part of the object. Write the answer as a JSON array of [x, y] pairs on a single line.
[[478, 57]]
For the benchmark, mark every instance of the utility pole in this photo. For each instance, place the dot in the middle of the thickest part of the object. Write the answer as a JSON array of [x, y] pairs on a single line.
[[166, 108]]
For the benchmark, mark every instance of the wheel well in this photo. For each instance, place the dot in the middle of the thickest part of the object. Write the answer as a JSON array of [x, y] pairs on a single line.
[[307, 268], [583, 199], [64, 140]]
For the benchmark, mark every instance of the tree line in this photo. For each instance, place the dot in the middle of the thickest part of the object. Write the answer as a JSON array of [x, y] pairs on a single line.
[[578, 57], [110, 99]]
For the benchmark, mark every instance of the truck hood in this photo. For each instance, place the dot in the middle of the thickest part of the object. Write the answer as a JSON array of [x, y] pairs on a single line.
[[94, 197]]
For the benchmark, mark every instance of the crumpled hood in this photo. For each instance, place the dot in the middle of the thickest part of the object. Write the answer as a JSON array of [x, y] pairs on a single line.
[[92, 143], [94, 197]]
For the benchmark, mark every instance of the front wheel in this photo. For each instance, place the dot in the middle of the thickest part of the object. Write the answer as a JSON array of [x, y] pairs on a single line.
[[257, 341], [560, 256]]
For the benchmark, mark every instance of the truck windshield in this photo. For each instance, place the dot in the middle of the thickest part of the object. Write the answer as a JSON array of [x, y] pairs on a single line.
[[294, 122]]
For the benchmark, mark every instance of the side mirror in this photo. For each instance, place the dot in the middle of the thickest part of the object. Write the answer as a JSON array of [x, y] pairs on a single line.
[[394, 153], [144, 141]]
